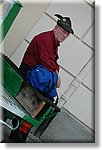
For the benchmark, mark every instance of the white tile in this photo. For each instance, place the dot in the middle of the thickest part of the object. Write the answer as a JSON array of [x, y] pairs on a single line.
[[89, 80], [74, 55], [19, 53], [91, 2], [90, 38], [66, 79], [87, 74], [80, 13], [86, 69], [45, 23], [61, 102], [81, 105]]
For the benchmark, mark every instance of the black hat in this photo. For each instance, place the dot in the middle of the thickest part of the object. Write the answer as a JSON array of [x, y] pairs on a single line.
[[65, 23]]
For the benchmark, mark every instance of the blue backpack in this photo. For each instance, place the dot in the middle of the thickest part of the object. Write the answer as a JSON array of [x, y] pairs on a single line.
[[43, 80]]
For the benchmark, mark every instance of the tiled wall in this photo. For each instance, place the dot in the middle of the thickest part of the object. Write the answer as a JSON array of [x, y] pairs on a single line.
[[76, 57]]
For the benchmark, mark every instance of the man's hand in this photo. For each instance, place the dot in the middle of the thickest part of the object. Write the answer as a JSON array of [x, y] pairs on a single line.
[[58, 81]]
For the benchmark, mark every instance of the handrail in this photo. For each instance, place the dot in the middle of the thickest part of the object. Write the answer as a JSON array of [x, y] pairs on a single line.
[[1, 121]]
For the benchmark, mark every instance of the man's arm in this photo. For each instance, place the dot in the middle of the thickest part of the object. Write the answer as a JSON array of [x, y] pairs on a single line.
[[58, 81], [47, 58]]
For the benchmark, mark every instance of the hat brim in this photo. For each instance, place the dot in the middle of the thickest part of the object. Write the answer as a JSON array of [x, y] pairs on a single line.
[[66, 28]]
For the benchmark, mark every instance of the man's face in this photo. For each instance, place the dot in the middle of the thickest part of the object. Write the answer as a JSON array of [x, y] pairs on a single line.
[[61, 34]]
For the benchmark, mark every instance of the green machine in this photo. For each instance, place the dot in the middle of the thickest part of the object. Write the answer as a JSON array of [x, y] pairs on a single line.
[[9, 10], [23, 105]]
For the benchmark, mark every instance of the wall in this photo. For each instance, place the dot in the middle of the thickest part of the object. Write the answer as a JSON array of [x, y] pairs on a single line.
[[76, 53], [25, 20]]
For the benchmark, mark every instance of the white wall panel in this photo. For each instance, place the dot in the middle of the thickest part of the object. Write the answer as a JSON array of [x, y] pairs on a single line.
[[19, 53], [90, 38], [66, 79], [89, 80], [80, 13], [45, 23], [74, 55], [81, 105], [87, 74], [91, 2]]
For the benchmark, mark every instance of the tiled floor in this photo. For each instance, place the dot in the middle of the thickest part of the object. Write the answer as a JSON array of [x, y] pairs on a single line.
[[65, 129]]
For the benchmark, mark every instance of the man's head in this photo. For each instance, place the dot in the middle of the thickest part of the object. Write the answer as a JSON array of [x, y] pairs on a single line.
[[60, 33], [63, 28]]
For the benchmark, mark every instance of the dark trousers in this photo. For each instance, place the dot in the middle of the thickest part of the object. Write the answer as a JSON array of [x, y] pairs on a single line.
[[23, 69]]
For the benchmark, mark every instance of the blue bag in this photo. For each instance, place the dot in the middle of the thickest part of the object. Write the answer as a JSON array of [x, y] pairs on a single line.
[[43, 80]]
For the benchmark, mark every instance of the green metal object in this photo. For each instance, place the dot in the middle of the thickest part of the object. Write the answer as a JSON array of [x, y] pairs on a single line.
[[36, 122], [9, 103], [9, 126], [11, 79], [11, 86], [7, 22], [13, 108]]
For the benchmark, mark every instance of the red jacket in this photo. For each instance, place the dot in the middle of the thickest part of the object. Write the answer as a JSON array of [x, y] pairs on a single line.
[[43, 50]]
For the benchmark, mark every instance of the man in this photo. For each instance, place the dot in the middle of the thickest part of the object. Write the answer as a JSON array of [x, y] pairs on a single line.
[[43, 48]]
